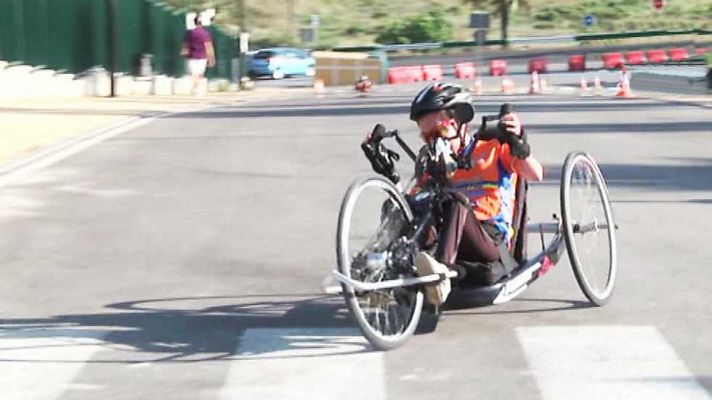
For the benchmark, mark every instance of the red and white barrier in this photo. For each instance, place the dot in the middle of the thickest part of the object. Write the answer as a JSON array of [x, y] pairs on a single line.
[[612, 60], [498, 67], [678, 54], [411, 74], [465, 70], [432, 72], [656, 56], [634, 58], [538, 64], [577, 62]]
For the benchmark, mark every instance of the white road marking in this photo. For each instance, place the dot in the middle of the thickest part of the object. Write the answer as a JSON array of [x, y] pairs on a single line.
[[613, 362], [21, 170], [309, 364], [40, 364]]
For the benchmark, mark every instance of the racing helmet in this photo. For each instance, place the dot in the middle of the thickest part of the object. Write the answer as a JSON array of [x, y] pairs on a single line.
[[443, 96]]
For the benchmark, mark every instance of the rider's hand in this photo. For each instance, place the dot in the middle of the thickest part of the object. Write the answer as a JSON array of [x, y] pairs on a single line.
[[517, 140], [512, 124]]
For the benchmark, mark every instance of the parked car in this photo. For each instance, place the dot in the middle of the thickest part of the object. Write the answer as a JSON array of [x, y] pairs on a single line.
[[280, 62]]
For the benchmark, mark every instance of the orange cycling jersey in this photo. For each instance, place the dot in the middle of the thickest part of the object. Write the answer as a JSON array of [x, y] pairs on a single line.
[[490, 184]]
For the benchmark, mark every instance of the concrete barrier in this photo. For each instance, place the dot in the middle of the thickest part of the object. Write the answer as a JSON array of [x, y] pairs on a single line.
[[162, 85]]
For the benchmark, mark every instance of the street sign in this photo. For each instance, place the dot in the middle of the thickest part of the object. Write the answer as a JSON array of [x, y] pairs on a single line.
[[659, 4], [589, 20], [480, 20]]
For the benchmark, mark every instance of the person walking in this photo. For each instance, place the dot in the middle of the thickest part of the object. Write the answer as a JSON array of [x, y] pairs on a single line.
[[199, 51]]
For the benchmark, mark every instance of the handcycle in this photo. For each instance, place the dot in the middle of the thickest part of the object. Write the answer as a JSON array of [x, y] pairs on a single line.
[[376, 275]]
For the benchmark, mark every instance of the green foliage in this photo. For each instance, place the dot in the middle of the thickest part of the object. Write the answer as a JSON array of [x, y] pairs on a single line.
[[431, 26], [275, 40], [363, 22]]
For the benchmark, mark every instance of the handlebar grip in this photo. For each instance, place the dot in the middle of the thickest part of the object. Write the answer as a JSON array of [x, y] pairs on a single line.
[[378, 133], [505, 109]]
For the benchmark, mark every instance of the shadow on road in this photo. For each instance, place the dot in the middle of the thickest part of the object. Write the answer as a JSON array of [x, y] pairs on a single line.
[[527, 306], [690, 174], [183, 330]]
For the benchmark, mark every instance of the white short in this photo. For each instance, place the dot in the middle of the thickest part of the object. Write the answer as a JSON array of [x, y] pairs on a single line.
[[197, 66]]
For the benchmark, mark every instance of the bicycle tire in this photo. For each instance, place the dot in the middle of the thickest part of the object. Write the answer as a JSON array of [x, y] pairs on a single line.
[[376, 333], [588, 220]]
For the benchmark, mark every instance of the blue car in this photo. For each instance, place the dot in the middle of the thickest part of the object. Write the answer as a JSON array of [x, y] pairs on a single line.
[[280, 62]]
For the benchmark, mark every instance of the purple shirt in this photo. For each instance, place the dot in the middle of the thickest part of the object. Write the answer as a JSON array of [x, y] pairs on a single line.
[[195, 40]]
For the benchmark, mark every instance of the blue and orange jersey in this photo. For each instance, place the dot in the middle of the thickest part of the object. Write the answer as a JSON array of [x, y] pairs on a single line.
[[490, 184]]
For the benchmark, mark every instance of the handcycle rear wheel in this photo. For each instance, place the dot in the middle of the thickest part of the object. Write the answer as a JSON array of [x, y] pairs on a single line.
[[373, 252], [589, 227]]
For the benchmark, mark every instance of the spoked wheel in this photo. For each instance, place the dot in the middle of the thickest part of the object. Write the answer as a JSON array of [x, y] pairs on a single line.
[[370, 247], [589, 227]]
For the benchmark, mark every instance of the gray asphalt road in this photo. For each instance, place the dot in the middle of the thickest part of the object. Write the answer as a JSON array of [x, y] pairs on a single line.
[[183, 260]]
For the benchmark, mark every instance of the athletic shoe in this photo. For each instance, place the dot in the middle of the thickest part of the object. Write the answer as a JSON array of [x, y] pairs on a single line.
[[437, 292]]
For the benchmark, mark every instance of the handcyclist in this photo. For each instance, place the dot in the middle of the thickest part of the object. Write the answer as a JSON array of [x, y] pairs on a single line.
[[477, 222]]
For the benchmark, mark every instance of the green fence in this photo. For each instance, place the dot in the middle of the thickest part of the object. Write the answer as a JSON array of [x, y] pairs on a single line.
[[73, 35]]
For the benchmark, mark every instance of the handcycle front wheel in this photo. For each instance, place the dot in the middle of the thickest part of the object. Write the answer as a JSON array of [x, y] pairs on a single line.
[[589, 227], [370, 248]]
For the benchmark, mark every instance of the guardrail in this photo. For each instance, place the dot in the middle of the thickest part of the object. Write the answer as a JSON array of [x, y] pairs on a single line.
[[587, 37]]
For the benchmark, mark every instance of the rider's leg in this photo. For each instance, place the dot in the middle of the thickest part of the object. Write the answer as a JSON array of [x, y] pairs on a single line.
[[463, 237]]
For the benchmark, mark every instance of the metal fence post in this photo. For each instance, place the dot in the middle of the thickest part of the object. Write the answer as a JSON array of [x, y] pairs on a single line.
[[112, 34]]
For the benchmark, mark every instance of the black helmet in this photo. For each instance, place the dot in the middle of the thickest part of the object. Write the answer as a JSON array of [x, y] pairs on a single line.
[[443, 96]]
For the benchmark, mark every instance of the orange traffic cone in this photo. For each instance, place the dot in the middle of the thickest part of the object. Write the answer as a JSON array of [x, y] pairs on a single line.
[[597, 87], [534, 84], [584, 86], [542, 84], [477, 88], [624, 90], [319, 86], [507, 85]]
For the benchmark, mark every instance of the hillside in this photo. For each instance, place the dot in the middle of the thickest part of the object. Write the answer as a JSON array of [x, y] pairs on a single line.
[[360, 21]]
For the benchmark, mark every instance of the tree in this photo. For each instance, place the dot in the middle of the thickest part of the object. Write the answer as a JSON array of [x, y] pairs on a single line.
[[431, 26], [503, 8]]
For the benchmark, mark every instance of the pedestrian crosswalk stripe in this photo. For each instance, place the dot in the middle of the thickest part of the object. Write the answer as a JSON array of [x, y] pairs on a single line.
[[40, 363], [607, 362], [309, 364]]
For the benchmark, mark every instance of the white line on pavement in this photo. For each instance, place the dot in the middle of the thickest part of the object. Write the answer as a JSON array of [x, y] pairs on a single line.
[[614, 362], [65, 149], [68, 148], [309, 364], [40, 364]]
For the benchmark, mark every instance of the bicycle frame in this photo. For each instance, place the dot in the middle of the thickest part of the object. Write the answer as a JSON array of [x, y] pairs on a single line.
[[528, 272]]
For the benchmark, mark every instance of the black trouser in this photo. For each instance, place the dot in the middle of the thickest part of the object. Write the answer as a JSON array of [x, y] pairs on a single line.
[[463, 237], [473, 248]]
